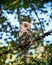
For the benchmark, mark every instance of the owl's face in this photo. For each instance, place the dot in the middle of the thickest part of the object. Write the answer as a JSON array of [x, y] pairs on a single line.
[[25, 26]]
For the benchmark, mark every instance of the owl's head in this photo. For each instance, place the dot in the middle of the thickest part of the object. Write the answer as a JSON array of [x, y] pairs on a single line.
[[25, 25]]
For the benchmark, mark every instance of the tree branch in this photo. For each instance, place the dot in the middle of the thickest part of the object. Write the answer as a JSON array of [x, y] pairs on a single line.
[[42, 36], [19, 46], [19, 16], [39, 21], [14, 2], [35, 8]]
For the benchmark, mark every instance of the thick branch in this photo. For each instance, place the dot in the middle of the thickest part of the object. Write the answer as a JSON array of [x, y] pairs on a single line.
[[19, 16], [42, 36]]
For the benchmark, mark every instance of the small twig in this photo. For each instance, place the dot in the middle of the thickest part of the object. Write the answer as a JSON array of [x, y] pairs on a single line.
[[20, 53], [14, 2], [39, 21], [35, 8]]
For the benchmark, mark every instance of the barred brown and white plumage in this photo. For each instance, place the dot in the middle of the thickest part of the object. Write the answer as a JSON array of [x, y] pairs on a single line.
[[25, 35]]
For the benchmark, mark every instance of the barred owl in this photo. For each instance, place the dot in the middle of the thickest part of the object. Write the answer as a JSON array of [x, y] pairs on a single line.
[[25, 35]]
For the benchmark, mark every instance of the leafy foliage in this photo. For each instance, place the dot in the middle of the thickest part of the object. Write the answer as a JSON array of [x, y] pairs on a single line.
[[24, 10]]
